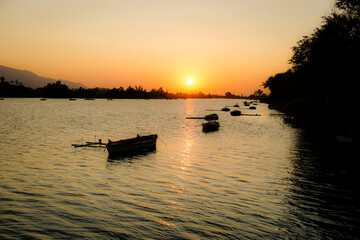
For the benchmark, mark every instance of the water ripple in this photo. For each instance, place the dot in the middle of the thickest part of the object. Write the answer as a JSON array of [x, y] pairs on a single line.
[[256, 178]]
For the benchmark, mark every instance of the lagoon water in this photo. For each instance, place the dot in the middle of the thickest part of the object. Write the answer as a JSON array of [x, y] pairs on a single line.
[[256, 178]]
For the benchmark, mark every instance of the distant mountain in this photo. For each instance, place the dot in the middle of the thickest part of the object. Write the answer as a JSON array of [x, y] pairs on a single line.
[[30, 79]]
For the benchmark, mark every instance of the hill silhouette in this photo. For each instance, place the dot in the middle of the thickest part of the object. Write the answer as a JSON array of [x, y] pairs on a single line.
[[30, 79]]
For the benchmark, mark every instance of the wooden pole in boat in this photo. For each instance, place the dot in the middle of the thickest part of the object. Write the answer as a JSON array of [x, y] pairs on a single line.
[[250, 115]]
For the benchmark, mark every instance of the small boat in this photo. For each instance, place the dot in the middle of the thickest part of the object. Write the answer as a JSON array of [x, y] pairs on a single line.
[[72, 99], [210, 126], [246, 103], [210, 117], [225, 109], [235, 113], [109, 99], [236, 105], [132, 145], [43, 99], [252, 107], [89, 99]]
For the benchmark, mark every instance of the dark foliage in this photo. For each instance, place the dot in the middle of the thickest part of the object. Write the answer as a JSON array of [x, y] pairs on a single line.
[[322, 88], [55, 90], [14, 89]]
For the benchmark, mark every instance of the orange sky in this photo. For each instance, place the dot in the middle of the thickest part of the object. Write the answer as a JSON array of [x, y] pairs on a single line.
[[228, 45]]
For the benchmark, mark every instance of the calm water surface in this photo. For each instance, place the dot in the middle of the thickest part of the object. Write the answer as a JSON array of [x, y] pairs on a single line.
[[255, 178]]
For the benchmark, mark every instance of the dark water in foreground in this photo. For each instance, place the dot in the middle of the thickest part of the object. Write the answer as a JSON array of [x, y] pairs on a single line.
[[255, 178]]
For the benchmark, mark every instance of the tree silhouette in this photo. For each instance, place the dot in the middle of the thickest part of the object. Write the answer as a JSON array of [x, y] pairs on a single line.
[[325, 73], [56, 90]]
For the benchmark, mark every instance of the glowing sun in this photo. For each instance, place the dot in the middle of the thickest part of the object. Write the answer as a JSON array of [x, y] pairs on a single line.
[[190, 81]]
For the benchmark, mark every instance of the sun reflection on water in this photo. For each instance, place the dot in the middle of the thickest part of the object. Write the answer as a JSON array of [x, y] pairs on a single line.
[[185, 161]]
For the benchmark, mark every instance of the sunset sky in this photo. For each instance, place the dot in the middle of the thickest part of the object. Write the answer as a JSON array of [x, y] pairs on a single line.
[[222, 45]]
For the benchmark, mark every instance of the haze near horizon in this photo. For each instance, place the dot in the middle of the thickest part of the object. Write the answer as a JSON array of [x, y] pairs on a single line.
[[220, 45]]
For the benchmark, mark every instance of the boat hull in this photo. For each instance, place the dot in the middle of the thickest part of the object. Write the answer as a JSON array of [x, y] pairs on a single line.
[[210, 117], [235, 113], [132, 145], [210, 126]]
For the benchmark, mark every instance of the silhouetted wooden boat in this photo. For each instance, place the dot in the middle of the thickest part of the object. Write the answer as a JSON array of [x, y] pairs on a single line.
[[89, 99], [72, 99], [252, 107], [225, 109], [236, 105], [210, 117], [43, 99], [235, 113], [246, 103], [109, 99], [210, 126], [132, 145]]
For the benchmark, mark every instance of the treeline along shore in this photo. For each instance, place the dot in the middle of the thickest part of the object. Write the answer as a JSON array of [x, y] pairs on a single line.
[[59, 90], [321, 91]]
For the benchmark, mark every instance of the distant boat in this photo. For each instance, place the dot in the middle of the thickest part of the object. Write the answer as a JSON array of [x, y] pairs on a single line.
[[89, 99], [246, 103], [132, 145], [236, 105], [110, 99], [213, 116], [72, 99], [209, 117], [225, 109], [210, 126], [43, 99], [252, 107], [235, 113]]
